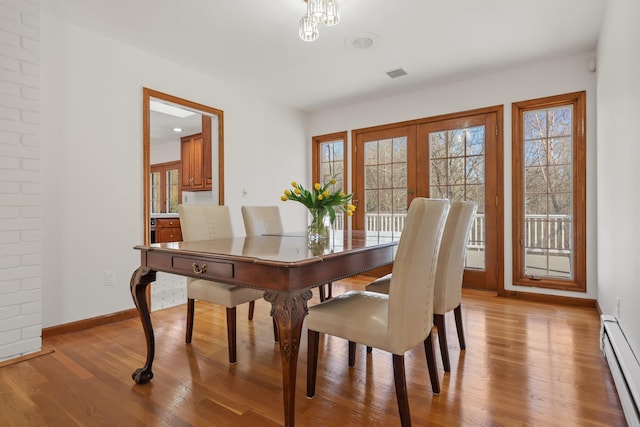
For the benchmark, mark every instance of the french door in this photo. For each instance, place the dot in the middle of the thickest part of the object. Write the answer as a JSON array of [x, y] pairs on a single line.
[[454, 157]]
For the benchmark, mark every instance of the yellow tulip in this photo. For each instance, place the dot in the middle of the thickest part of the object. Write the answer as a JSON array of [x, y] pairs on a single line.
[[349, 213], [284, 198], [333, 181], [297, 191], [294, 184], [342, 194], [326, 193], [317, 186], [351, 208], [287, 192], [319, 196]]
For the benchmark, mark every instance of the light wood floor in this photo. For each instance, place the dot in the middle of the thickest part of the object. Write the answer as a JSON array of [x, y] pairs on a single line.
[[526, 364]]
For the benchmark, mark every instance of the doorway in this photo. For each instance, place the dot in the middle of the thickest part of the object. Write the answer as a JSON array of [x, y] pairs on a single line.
[[455, 156]]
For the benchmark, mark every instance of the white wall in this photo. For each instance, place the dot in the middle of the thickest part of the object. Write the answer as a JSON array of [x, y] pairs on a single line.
[[532, 81], [618, 168], [20, 195], [92, 160]]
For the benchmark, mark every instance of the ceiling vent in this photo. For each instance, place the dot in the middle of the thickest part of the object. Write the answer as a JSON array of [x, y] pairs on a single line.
[[398, 72]]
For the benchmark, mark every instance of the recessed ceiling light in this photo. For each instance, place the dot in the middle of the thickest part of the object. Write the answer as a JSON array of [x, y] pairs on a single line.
[[177, 129], [360, 42]]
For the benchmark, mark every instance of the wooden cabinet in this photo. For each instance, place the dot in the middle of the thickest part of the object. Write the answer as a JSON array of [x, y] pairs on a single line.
[[168, 230], [195, 155]]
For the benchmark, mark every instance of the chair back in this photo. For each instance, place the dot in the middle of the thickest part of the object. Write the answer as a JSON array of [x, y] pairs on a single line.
[[260, 220], [453, 250], [413, 276], [204, 222]]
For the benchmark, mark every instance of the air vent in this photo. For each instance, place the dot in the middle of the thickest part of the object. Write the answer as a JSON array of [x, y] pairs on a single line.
[[398, 72]]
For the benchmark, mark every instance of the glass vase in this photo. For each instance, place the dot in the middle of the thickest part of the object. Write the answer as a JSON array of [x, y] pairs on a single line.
[[320, 225]]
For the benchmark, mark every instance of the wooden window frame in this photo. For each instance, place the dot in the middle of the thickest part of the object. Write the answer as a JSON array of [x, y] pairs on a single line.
[[316, 142], [163, 168], [578, 101]]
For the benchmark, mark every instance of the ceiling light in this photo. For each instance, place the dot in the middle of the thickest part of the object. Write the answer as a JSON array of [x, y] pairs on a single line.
[[325, 12], [177, 129]]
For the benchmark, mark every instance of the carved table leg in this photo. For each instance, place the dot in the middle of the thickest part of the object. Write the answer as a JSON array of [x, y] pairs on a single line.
[[289, 310], [139, 282]]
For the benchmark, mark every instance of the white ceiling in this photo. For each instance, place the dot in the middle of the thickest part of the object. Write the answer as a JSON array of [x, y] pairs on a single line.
[[254, 43]]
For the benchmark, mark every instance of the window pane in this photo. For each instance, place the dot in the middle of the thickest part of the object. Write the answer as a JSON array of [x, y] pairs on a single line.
[[155, 192], [385, 182], [173, 191], [548, 192], [457, 172]]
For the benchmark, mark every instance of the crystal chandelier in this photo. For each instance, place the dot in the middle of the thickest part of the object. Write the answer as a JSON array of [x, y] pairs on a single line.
[[325, 12]]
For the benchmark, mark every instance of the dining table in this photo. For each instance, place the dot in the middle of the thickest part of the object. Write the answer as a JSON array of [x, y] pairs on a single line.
[[285, 266]]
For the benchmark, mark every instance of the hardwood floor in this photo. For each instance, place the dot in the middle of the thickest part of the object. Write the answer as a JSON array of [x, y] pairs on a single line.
[[526, 364]]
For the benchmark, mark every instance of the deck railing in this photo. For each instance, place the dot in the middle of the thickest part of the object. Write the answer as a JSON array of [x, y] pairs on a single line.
[[543, 232]]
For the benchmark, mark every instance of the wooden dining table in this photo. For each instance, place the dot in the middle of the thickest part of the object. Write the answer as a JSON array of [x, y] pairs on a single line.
[[285, 266]]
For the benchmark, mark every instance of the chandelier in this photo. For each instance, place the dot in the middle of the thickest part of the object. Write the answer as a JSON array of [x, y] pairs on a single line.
[[325, 12]]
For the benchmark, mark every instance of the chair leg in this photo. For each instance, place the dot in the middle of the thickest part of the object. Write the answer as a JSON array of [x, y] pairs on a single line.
[[252, 306], [276, 334], [369, 350], [352, 354], [329, 290], [431, 364], [439, 321], [190, 311], [321, 291], [313, 339], [401, 390], [231, 333], [458, 315]]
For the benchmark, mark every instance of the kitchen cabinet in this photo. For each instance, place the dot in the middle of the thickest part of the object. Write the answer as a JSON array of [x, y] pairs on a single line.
[[195, 155], [168, 230]]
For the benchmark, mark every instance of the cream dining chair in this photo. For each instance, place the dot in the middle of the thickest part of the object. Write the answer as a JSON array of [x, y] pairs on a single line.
[[395, 322], [448, 286], [260, 220], [211, 222]]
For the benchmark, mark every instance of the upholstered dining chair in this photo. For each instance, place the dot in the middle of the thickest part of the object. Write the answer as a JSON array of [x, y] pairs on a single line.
[[203, 223], [395, 322], [448, 286], [266, 220]]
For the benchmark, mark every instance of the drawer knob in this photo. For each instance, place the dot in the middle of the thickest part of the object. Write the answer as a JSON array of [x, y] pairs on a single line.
[[199, 270]]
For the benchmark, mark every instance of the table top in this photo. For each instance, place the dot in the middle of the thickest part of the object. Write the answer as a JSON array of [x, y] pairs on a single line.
[[288, 248]]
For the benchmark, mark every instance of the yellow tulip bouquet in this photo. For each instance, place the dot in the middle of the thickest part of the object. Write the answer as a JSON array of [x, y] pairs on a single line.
[[321, 203]]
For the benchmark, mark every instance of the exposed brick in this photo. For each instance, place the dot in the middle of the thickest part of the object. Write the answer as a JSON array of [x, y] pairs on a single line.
[[20, 322], [9, 287], [9, 212], [11, 236], [8, 88], [30, 19], [30, 93], [30, 188], [31, 283], [13, 311], [19, 348], [31, 259], [9, 187], [7, 63], [30, 236], [34, 307], [9, 261], [30, 164], [9, 337], [30, 117], [17, 298], [12, 138], [33, 331], [9, 13], [9, 113]]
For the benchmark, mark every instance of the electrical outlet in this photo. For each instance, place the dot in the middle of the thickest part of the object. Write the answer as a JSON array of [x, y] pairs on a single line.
[[108, 278], [618, 308]]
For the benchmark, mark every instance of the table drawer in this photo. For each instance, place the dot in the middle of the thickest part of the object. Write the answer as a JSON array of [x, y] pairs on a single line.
[[202, 268]]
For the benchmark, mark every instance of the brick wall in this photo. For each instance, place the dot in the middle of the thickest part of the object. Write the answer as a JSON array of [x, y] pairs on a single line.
[[20, 201]]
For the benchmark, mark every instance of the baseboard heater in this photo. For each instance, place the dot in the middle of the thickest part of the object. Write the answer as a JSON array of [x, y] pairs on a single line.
[[624, 366]]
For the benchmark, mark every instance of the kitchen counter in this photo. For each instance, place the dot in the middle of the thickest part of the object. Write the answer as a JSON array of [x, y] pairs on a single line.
[[165, 215]]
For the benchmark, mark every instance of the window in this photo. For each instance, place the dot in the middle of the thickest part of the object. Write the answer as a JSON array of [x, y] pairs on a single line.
[[549, 186], [165, 187], [329, 162]]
